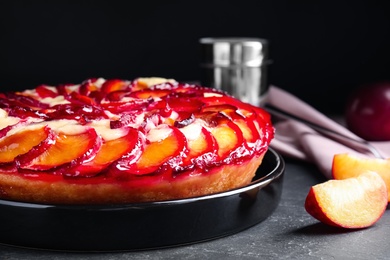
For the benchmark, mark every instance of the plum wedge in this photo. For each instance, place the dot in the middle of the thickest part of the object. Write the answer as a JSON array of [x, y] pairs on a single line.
[[347, 165], [50, 153], [109, 152], [113, 85], [356, 202], [161, 145], [200, 142], [21, 143]]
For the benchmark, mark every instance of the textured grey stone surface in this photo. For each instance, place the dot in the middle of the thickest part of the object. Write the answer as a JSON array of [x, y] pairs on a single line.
[[289, 233]]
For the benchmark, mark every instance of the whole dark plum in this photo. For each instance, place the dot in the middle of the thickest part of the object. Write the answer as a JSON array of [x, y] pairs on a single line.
[[367, 112]]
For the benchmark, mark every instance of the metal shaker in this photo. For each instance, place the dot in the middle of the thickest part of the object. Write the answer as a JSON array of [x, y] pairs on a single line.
[[237, 66]]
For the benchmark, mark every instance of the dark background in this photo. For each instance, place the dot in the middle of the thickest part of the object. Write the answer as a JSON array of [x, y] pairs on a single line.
[[321, 50]]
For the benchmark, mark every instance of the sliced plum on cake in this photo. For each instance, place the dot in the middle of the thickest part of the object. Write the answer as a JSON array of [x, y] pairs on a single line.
[[21, 142], [114, 85], [61, 148], [202, 146], [226, 133], [160, 144], [250, 120], [126, 146]]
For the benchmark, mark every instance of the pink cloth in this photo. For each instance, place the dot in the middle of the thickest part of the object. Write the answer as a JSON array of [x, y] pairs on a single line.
[[296, 140]]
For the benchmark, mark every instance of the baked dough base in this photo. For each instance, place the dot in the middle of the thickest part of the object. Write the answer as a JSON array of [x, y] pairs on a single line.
[[58, 190]]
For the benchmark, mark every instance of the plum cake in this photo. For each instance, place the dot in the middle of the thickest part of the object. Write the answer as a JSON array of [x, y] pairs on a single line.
[[127, 141]]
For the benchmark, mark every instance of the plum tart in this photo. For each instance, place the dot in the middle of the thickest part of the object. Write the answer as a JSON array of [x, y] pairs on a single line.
[[127, 141]]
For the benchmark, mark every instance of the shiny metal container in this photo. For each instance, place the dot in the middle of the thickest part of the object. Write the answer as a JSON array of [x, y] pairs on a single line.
[[237, 66]]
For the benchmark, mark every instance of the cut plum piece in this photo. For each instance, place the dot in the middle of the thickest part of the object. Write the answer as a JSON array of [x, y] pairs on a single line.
[[45, 91], [26, 112], [116, 96], [8, 123], [228, 137], [219, 108], [347, 165], [77, 98], [109, 152], [114, 149], [227, 134], [64, 149], [229, 111], [144, 83], [26, 100], [113, 85], [125, 106], [81, 112], [355, 202], [246, 108], [265, 130], [248, 129], [21, 142], [151, 93], [199, 142], [161, 107], [88, 87], [166, 143], [185, 104]]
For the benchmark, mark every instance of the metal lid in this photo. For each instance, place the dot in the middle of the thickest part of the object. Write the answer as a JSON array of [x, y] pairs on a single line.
[[233, 52]]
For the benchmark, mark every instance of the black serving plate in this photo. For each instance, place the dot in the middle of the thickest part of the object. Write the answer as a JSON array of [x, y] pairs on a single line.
[[144, 225]]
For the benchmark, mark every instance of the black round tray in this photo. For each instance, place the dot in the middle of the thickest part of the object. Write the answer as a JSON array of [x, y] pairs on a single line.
[[144, 225]]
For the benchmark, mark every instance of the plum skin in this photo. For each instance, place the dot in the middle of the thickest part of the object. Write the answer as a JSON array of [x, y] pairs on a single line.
[[367, 112]]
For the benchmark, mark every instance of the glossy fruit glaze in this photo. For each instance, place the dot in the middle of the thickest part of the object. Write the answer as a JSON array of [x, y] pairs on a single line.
[[110, 130]]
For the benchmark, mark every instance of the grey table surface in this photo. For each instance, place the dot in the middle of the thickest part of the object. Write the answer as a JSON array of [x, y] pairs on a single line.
[[289, 233]]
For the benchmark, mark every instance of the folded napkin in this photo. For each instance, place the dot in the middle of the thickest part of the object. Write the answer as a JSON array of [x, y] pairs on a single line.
[[296, 140]]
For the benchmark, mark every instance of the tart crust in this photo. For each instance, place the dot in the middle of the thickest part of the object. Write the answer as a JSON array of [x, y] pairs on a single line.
[[222, 178]]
